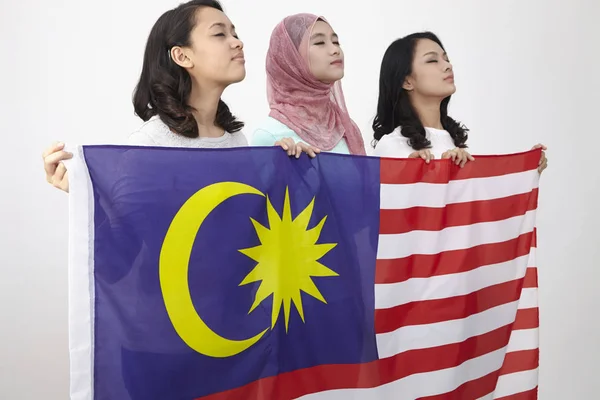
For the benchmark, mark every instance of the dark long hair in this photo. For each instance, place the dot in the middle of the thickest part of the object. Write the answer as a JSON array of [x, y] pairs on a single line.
[[394, 108], [164, 87]]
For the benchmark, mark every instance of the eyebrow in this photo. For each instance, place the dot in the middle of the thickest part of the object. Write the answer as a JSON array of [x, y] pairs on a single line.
[[434, 53], [221, 25], [318, 35]]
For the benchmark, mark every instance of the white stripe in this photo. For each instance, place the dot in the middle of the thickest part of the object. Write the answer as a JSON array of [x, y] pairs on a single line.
[[81, 267], [446, 332], [423, 384], [532, 257], [444, 286], [401, 245], [529, 298], [523, 339], [516, 383], [401, 196]]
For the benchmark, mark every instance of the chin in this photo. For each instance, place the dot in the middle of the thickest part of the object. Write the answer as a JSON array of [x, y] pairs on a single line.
[[451, 90], [332, 77], [237, 77]]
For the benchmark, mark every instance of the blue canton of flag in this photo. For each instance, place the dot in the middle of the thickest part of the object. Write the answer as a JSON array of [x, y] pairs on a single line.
[[216, 268]]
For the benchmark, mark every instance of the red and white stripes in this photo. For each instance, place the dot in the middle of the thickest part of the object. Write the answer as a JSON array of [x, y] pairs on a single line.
[[456, 280]]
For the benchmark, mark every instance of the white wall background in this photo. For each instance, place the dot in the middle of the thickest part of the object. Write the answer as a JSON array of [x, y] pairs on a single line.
[[526, 71]]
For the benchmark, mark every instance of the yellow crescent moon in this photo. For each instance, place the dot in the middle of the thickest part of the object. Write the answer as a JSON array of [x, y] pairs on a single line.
[[173, 271]]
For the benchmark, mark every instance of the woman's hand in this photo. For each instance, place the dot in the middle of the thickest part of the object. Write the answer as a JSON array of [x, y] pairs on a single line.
[[56, 172], [459, 156], [296, 149], [425, 154], [543, 164]]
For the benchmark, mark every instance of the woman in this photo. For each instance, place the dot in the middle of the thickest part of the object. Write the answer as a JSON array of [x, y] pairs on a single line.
[[305, 64], [415, 86], [192, 54]]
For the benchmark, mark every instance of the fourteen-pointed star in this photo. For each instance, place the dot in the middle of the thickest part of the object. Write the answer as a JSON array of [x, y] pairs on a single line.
[[287, 260]]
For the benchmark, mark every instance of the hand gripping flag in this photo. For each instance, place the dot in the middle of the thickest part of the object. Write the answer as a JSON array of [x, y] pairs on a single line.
[[246, 274]]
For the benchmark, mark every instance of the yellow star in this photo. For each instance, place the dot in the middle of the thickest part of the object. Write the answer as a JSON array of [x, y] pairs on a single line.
[[287, 259]]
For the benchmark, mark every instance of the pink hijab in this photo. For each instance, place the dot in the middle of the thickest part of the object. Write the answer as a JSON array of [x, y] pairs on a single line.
[[316, 111]]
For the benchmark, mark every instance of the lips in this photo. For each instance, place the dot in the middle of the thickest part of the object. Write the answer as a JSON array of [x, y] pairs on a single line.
[[337, 62], [239, 57], [449, 78]]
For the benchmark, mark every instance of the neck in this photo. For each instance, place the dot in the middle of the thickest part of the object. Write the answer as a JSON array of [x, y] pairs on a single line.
[[205, 101], [428, 111]]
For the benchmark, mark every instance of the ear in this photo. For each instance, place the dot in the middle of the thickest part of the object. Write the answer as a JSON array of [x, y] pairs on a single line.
[[181, 57], [408, 85]]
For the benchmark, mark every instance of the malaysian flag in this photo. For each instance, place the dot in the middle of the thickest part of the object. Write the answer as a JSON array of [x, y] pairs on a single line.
[[245, 274]]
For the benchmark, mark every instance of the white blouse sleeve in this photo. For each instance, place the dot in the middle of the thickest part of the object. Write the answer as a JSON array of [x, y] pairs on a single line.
[[393, 146]]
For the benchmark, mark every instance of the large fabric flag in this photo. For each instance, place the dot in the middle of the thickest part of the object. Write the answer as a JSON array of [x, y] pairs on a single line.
[[247, 274]]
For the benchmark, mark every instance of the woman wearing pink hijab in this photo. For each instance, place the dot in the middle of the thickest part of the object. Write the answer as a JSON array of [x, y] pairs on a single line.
[[305, 64]]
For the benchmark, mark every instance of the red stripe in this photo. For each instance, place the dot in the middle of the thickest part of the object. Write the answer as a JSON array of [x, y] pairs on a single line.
[[330, 377], [527, 319], [487, 384], [531, 278], [519, 361], [451, 262], [395, 221], [528, 395], [534, 241], [471, 390], [450, 308], [406, 171]]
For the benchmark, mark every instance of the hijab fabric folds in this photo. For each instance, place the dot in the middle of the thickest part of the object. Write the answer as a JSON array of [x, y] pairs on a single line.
[[315, 110]]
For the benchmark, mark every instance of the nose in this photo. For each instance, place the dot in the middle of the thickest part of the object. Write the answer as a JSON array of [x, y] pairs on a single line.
[[448, 66], [335, 49], [237, 44]]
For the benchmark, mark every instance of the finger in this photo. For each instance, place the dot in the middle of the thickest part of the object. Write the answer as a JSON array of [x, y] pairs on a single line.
[[542, 158], [55, 158], [59, 174], [281, 144], [299, 149], [470, 157], [51, 161], [464, 160], [429, 156], [539, 145], [291, 146], [56, 146], [423, 155]]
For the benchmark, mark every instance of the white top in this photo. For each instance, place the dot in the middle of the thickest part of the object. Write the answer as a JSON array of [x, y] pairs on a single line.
[[396, 146], [155, 132]]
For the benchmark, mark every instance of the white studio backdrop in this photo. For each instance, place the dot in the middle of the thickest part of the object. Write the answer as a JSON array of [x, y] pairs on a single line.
[[526, 72]]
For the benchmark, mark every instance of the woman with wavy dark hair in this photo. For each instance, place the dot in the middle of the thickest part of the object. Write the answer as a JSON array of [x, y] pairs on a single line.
[[192, 54], [415, 85]]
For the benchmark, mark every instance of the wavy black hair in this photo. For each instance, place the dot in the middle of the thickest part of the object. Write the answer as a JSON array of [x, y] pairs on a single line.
[[393, 106], [164, 87]]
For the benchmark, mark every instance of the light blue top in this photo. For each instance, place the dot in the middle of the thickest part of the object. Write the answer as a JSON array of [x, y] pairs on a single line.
[[271, 130]]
